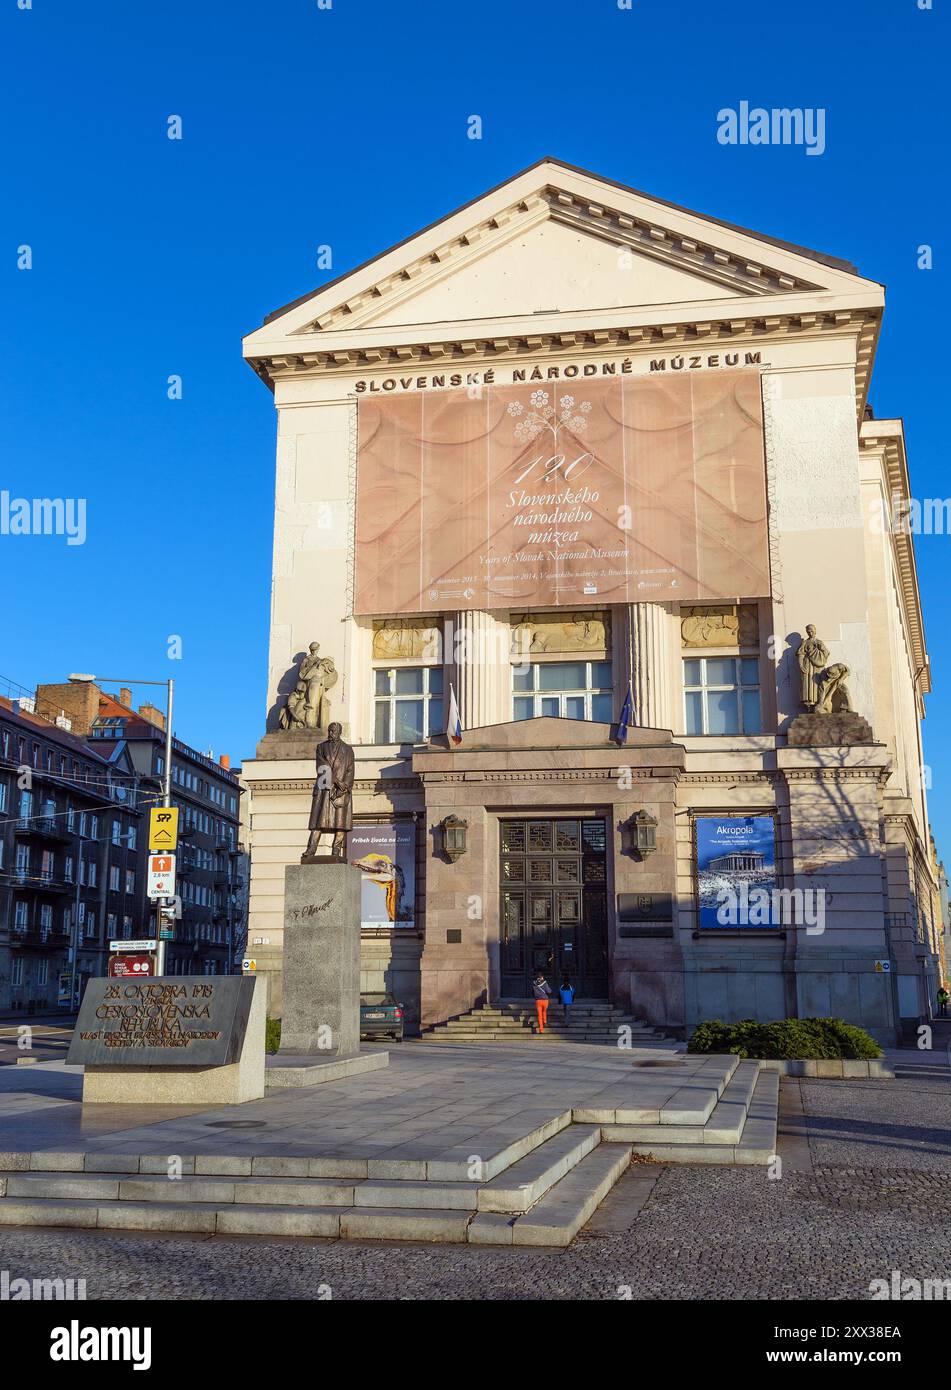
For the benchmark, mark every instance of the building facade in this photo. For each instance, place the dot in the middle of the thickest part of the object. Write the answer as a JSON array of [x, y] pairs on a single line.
[[208, 866], [70, 841], [567, 441]]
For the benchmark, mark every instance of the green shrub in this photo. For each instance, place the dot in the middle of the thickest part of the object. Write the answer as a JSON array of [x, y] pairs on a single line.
[[272, 1035], [787, 1039]]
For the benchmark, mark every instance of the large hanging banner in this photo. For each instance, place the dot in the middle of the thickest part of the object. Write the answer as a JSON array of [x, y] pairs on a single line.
[[619, 490], [385, 854]]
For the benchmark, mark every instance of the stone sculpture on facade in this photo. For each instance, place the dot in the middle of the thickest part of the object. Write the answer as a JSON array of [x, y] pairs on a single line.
[[829, 717], [812, 657], [307, 706], [331, 808], [823, 688]]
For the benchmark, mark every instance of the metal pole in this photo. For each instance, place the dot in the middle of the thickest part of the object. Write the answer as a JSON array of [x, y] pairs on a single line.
[[74, 928], [166, 801]]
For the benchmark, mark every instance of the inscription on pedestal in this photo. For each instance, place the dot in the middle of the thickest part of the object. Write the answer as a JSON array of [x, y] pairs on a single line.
[[185, 1021]]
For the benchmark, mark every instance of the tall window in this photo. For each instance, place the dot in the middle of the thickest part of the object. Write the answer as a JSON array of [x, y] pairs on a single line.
[[408, 704], [721, 695], [565, 689]]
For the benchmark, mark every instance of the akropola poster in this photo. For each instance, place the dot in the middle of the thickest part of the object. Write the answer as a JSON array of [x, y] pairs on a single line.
[[736, 870], [385, 854]]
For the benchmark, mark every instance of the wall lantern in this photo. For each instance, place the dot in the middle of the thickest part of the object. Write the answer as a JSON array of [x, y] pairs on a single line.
[[643, 828], [454, 837]]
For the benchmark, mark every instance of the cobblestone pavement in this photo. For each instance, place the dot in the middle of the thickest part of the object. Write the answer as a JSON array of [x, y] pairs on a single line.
[[864, 1190]]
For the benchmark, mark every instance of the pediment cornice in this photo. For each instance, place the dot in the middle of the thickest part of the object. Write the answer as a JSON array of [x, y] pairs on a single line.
[[649, 237]]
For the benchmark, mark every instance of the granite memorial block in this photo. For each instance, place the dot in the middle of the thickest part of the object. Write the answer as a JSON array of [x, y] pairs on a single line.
[[184, 1021], [321, 1008], [172, 1040]]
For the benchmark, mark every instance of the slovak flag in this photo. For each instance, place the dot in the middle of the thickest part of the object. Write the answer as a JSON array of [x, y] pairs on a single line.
[[627, 715], [454, 724]]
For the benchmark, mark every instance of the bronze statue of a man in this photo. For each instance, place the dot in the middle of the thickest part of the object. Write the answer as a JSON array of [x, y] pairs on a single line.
[[331, 809]]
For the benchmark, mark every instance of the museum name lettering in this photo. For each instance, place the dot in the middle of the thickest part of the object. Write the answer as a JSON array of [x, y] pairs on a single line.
[[680, 362]]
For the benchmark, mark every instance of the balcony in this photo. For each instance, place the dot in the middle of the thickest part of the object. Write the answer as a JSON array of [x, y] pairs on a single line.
[[39, 938], [43, 828], [40, 882]]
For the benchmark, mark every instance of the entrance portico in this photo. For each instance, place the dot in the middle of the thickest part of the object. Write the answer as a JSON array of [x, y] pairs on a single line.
[[560, 782]]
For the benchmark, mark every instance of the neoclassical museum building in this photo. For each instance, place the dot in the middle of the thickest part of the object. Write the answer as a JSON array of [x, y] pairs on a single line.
[[600, 476]]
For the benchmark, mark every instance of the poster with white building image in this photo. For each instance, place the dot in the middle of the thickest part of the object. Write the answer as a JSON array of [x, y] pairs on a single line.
[[736, 855]]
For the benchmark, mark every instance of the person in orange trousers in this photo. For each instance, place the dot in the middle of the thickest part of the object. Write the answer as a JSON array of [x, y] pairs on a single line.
[[542, 993]]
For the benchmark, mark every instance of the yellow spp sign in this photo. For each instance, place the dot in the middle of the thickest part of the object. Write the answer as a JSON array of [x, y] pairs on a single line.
[[163, 828]]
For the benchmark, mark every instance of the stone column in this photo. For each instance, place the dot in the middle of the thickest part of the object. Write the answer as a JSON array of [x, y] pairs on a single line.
[[649, 628], [479, 661]]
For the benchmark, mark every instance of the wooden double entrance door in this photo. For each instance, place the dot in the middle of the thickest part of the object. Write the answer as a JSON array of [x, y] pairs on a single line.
[[553, 911]]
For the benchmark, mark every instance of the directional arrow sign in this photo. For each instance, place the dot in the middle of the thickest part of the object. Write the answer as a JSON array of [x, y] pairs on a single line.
[[161, 876]]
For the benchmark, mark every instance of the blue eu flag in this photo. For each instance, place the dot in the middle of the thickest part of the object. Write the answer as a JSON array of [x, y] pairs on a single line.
[[627, 715]]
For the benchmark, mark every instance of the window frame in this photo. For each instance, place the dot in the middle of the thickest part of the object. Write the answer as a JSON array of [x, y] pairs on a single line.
[[425, 697], [536, 694], [739, 687]]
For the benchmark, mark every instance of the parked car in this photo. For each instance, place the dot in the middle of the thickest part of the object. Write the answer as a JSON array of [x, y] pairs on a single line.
[[381, 1015]]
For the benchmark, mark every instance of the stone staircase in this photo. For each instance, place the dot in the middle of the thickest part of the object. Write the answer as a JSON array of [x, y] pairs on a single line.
[[533, 1183], [589, 1021]]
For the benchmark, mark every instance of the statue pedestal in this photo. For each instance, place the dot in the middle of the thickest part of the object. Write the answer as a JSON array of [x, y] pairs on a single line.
[[841, 728], [321, 1010], [295, 745]]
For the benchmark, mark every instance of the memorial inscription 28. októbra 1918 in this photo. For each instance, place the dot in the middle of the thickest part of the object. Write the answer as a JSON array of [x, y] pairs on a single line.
[[191, 1021]]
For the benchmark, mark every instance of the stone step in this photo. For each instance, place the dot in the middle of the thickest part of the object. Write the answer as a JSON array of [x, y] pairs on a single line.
[[756, 1143], [547, 1039], [723, 1125], [349, 1223], [665, 1101], [558, 1216], [521, 1185]]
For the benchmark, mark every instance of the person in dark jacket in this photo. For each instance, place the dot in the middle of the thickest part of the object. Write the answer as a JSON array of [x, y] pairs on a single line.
[[542, 992], [943, 997]]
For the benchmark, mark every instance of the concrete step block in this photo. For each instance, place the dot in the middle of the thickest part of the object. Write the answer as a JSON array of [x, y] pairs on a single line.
[[157, 1189], [69, 1186], [390, 1223], [39, 1211], [155, 1216], [227, 1166], [495, 1148], [725, 1125], [289, 1192], [692, 1104], [444, 1196], [491, 1228], [686, 1153], [557, 1218], [279, 1221], [521, 1185], [56, 1161], [645, 1134]]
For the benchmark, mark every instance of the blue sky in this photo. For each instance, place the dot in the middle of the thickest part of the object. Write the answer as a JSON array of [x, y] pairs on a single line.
[[346, 126]]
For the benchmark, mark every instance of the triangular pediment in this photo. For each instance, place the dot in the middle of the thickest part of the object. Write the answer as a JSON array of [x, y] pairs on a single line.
[[552, 243]]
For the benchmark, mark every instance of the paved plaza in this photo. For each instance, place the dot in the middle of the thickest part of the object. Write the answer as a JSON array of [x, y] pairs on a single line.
[[864, 1190]]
